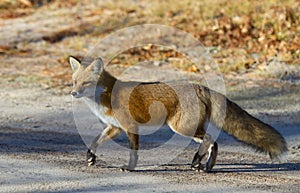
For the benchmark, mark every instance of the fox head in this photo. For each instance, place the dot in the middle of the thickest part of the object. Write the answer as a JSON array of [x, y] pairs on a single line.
[[85, 78]]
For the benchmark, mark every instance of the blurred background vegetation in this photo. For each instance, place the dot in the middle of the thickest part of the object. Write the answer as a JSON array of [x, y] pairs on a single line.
[[257, 38]]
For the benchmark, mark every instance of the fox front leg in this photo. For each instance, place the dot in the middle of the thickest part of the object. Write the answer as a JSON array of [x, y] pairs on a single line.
[[134, 146], [90, 157], [109, 132]]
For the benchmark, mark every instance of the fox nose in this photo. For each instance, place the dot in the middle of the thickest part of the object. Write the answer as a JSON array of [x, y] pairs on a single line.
[[73, 93]]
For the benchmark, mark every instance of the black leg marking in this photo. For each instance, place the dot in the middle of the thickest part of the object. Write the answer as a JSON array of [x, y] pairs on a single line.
[[196, 164], [213, 152], [90, 158], [209, 148]]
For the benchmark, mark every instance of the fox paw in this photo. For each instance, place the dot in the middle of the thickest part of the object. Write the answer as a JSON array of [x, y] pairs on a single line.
[[90, 158], [198, 167], [126, 168]]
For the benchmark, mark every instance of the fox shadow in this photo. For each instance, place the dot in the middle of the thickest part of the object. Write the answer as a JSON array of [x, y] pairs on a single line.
[[30, 141], [230, 168], [261, 167]]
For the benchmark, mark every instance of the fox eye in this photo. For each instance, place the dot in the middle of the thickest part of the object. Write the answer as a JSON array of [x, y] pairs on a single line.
[[75, 82], [86, 83]]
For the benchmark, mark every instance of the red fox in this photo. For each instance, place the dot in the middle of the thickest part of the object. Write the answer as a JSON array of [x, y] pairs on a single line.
[[236, 121]]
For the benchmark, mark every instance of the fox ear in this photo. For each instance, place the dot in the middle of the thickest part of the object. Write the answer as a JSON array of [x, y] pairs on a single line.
[[97, 66], [75, 63]]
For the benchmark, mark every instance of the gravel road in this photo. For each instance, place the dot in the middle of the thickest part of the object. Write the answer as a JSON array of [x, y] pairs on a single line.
[[42, 151]]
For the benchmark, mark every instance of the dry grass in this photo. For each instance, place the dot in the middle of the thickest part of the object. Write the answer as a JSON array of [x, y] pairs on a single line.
[[242, 36]]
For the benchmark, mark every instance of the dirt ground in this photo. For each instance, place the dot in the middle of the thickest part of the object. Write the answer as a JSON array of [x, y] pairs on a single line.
[[41, 148]]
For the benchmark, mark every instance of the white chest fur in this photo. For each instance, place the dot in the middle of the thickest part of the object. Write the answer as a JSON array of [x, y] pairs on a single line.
[[100, 112]]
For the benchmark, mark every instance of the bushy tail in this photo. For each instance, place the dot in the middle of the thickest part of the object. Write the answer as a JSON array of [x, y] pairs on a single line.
[[246, 128]]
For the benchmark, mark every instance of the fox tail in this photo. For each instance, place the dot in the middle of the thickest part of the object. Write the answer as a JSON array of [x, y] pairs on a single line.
[[246, 128]]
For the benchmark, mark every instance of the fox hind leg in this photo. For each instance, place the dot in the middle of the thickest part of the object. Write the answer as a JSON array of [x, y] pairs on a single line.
[[196, 163], [207, 148], [109, 132], [212, 156]]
